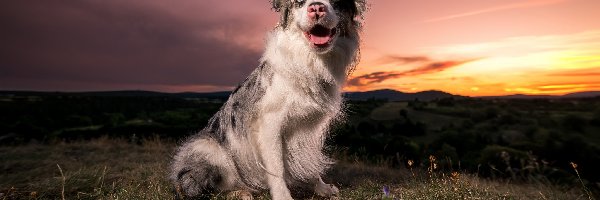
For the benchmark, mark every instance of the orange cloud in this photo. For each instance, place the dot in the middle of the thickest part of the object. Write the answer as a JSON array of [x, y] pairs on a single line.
[[556, 88], [378, 77], [562, 87], [390, 59], [579, 73], [375, 77]]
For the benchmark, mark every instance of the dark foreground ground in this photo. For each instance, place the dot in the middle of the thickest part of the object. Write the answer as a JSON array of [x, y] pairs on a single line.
[[106, 168]]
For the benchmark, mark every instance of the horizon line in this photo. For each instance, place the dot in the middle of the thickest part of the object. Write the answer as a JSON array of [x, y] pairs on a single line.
[[222, 91]]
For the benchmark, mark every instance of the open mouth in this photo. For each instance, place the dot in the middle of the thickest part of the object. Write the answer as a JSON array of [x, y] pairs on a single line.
[[320, 36]]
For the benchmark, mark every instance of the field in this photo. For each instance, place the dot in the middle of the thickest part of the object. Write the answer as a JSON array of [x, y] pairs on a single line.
[[117, 169], [91, 147]]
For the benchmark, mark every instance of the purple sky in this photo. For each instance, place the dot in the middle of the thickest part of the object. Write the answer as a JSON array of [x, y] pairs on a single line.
[[160, 45]]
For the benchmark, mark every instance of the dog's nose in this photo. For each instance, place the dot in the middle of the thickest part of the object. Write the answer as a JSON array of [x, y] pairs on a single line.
[[317, 10]]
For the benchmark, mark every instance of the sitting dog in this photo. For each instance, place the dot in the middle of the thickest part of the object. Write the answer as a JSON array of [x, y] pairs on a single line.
[[271, 132]]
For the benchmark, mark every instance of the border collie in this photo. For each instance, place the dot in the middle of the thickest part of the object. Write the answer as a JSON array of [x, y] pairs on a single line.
[[271, 132]]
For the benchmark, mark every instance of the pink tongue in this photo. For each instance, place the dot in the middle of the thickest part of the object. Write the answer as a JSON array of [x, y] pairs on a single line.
[[319, 40]]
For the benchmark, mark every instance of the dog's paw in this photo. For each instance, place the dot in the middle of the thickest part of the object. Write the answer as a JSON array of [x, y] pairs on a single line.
[[239, 195], [326, 190]]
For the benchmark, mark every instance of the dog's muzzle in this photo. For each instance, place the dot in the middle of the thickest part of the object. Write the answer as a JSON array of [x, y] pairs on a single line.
[[319, 35]]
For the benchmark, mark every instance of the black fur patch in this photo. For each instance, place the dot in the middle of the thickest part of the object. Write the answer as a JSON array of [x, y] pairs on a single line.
[[240, 105], [232, 121], [198, 182], [214, 130], [345, 6]]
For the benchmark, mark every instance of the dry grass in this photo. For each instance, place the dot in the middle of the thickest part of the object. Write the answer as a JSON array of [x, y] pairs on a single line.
[[115, 169], [100, 169], [384, 183]]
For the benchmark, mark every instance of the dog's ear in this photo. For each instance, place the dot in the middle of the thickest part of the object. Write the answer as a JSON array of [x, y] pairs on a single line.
[[277, 4], [361, 7], [354, 8]]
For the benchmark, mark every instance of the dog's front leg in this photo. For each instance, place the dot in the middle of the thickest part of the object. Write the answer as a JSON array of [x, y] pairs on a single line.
[[270, 143]]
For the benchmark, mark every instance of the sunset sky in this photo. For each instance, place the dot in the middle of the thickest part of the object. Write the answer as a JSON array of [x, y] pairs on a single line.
[[465, 47]]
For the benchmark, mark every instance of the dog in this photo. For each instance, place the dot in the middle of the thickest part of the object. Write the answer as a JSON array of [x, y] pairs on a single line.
[[271, 132]]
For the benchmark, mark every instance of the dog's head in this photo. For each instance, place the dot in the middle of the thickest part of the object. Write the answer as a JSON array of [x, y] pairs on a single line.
[[322, 22]]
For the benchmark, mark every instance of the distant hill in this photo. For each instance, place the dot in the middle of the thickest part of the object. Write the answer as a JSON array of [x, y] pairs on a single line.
[[519, 96], [393, 95], [387, 94], [582, 94], [124, 93], [209, 95], [588, 94]]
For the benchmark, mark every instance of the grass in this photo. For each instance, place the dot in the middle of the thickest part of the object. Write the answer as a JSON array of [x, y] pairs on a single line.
[[99, 169], [116, 169]]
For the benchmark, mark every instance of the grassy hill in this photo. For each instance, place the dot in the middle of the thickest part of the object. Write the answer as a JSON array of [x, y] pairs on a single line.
[[119, 169]]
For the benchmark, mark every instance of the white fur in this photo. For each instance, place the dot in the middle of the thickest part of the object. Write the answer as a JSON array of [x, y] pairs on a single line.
[[294, 102]]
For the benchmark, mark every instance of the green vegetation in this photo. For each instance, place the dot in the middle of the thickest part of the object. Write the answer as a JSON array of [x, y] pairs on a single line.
[[59, 117], [108, 147], [518, 140]]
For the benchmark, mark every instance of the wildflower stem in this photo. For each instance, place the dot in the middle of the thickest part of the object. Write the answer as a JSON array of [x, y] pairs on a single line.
[[62, 193], [587, 191]]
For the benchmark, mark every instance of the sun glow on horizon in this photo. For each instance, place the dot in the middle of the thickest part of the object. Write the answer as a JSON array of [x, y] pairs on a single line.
[[545, 64]]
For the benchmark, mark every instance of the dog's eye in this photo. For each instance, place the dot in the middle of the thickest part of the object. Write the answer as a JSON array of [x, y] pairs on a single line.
[[299, 2]]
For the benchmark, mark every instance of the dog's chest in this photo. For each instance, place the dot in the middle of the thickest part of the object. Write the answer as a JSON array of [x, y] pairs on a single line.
[[301, 100]]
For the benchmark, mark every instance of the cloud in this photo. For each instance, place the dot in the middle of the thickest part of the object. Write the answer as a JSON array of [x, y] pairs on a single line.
[[429, 68], [435, 67], [592, 72], [525, 4], [550, 57], [150, 44], [561, 87], [555, 87], [375, 77], [581, 44], [392, 59]]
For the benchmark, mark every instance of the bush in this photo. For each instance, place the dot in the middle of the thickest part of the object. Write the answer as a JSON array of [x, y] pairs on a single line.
[[573, 123], [502, 161]]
